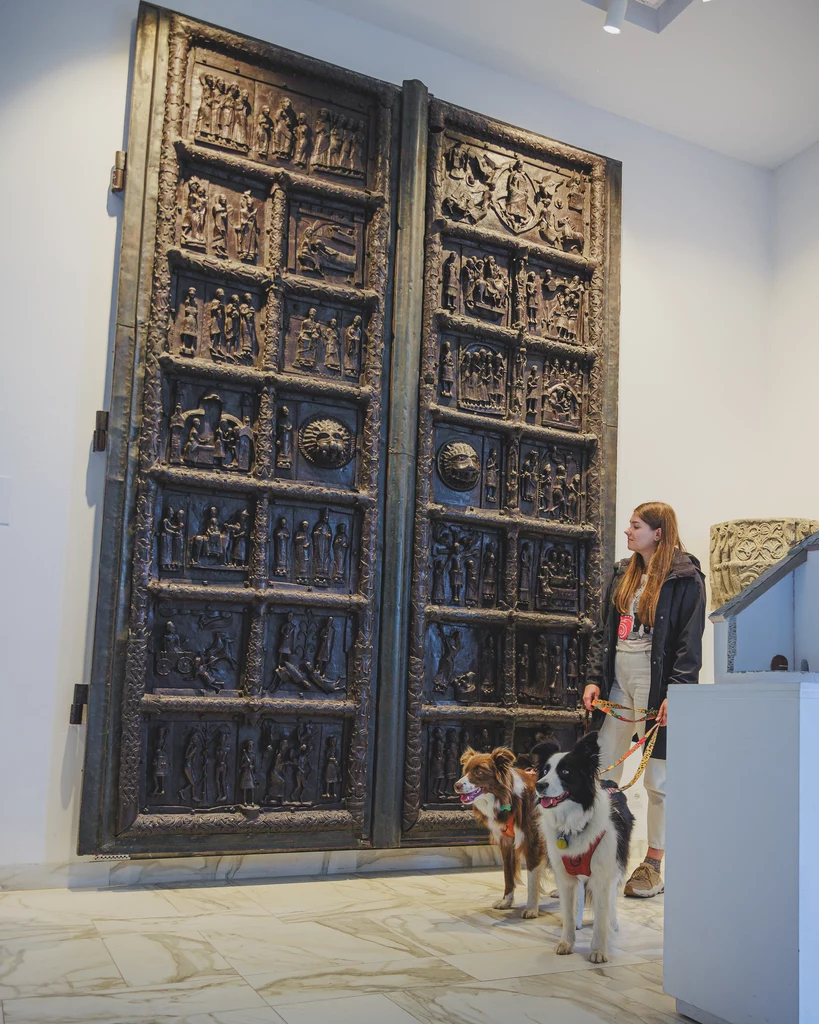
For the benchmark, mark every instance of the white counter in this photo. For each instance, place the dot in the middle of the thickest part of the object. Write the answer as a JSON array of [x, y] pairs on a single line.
[[742, 895]]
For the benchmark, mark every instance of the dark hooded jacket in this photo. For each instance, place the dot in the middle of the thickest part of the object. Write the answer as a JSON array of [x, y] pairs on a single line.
[[676, 645]]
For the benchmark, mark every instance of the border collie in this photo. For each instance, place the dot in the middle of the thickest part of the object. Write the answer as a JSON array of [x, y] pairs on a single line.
[[587, 827], [503, 800]]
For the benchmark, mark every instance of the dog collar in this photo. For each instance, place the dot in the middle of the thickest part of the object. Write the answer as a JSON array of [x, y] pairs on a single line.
[[508, 829]]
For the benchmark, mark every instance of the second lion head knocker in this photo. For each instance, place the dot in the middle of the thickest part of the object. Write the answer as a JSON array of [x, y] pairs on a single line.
[[459, 465], [326, 442]]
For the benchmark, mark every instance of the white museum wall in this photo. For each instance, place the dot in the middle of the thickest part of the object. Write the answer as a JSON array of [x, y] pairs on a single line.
[[696, 274], [793, 358]]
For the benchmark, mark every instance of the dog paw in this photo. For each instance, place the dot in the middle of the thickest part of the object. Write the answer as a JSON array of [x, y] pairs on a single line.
[[529, 912], [563, 948], [597, 956], [503, 904]]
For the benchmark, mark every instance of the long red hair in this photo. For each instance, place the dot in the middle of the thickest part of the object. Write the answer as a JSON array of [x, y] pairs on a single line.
[[658, 516]]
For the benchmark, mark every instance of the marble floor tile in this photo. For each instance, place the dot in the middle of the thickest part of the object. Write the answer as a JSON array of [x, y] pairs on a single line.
[[215, 898], [201, 995], [521, 963], [284, 985], [260, 943], [256, 1016], [184, 926], [147, 959], [419, 925], [51, 963], [300, 901], [373, 1009], [565, 998], [46, 909]]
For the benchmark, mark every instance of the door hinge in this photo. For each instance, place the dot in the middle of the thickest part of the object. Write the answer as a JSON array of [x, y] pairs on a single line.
[[118, 171], [101, 431], [80, 700]]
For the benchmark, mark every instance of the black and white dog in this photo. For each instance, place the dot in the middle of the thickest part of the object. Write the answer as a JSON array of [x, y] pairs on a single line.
[[587, 827]]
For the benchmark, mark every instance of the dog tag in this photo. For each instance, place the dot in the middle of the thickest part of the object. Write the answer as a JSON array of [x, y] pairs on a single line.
[[562, 843]]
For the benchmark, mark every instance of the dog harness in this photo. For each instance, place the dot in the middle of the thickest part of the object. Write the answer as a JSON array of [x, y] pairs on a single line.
[[581, 863]]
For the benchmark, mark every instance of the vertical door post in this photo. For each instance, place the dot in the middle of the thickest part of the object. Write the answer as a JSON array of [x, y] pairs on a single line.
[[401, 447]]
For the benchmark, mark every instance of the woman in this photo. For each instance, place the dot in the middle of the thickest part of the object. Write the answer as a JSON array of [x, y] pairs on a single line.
[[649, 636]]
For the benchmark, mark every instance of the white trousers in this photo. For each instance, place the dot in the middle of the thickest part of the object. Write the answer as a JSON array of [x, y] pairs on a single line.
[[632, 682]]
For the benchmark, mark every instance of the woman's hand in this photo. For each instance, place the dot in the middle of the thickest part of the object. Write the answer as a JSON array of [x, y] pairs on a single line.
[[590, 694], [662, 714]]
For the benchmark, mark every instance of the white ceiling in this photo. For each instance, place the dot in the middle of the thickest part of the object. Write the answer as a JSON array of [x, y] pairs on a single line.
[[737, 76]]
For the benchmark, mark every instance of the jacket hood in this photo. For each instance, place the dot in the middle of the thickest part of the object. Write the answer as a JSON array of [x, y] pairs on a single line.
[[685, 566]]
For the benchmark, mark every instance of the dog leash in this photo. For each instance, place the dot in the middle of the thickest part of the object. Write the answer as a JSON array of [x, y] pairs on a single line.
[[649, 737]]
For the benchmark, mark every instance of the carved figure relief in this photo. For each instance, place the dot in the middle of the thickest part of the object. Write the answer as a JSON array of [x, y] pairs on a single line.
[[247, 230], [310, 652], [323, 339], [223, 114], [339, 145], [466, 560], [327, 245], [205, 661], [742, 549], [220, 542], [563, 385], [208, 436], [223, 329], [551, 484], [482, 379], [523, 198], [195, 215], [485, 287]]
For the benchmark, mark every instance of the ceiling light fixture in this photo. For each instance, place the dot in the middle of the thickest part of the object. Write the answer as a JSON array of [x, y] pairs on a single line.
[[615, 16]]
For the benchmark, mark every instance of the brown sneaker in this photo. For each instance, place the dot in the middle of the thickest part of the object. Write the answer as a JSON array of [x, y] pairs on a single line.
[[645, 881]]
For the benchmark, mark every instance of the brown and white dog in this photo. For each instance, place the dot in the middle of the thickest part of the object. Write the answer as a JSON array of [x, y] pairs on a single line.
[[504, 801]]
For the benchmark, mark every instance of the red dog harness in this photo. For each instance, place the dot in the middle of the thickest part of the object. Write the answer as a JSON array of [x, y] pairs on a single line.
[[581, 864]]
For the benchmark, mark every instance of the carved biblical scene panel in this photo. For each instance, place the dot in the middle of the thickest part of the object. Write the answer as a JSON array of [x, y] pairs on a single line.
[[248, 669], [236, 108], [196, 649], [314, 546], [323, 338], [203, 766], [509, 516]]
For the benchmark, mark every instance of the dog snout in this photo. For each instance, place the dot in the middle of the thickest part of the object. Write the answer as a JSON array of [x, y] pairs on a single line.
[[541, 786], [458, 786]]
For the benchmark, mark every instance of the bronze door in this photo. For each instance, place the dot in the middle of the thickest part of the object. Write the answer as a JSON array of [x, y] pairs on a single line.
[[515, 473], [262, 669], [242, 664]]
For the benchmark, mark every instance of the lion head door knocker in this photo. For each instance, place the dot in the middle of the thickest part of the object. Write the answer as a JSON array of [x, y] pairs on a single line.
[[459, 465], [326, 442]]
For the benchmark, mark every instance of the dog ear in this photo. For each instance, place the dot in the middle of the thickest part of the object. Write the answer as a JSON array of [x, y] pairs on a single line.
[[465, 756], [588, 748], [503, 758], [541, 753]]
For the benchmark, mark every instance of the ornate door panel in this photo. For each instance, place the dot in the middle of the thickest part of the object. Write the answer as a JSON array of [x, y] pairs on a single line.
[[515, 474], [234, 664]]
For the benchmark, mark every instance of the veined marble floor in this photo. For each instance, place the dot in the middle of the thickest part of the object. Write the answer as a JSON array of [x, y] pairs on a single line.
[[355, 949]]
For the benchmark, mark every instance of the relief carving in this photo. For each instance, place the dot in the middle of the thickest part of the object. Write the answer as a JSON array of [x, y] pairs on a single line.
[[742, 549], [327, 442]]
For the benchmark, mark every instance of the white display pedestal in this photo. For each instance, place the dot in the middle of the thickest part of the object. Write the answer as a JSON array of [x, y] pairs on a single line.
[[742, 887]]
